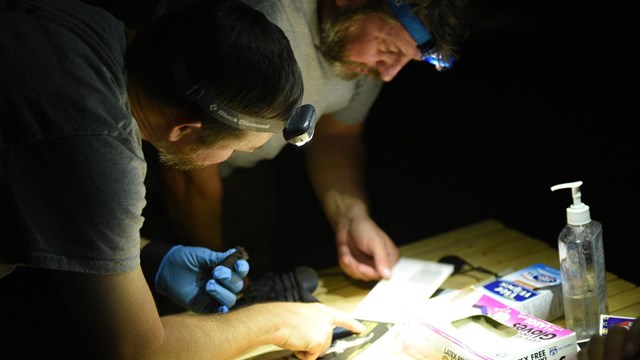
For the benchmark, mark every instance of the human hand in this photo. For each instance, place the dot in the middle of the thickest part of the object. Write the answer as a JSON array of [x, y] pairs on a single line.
[[306, 328], [191, 277], [365, 251], [618, 344]]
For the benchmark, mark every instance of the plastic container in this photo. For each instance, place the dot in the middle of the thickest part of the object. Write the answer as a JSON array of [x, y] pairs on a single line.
[[582, 267]]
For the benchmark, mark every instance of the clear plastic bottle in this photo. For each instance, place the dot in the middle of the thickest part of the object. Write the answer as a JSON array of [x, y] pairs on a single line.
[[582, 265]]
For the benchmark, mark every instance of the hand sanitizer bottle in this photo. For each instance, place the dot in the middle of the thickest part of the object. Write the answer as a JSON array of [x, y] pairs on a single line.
[[584, 286]]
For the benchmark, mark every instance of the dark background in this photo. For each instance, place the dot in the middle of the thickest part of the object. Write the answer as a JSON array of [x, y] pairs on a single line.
[[545, 92]]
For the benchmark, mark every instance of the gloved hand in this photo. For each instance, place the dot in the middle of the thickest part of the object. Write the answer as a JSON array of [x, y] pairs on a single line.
[[190, 277]]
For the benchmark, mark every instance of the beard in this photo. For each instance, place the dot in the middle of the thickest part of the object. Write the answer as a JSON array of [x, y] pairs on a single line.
[[180, 157], [334, 39]]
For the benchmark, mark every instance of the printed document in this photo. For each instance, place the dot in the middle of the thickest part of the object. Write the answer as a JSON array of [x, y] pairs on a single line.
[[412, 283]]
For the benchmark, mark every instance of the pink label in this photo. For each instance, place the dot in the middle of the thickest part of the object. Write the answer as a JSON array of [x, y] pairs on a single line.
[[530, 326]]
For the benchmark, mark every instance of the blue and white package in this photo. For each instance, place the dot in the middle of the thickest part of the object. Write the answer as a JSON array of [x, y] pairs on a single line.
[[607, 321], [535, 290]]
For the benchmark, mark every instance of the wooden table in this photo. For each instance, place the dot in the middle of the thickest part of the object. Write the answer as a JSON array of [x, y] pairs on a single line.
[[488, 244]]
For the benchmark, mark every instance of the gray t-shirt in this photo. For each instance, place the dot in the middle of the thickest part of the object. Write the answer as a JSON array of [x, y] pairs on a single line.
[[348, 101], [71, 163]]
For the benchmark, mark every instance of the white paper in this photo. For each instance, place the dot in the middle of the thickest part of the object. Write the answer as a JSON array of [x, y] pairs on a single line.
[[412, 283]]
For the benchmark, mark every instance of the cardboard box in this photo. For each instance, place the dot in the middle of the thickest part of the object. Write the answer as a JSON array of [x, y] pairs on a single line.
[[535, 290], [607, 321], [473, 326]]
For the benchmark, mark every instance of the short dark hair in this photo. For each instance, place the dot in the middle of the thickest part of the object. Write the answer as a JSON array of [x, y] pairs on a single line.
[[243, 59]]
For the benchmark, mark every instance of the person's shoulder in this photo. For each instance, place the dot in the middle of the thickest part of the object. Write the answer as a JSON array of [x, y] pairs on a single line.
[[74, 19]]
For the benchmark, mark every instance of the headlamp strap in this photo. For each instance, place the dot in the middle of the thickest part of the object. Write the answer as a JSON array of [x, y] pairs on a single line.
[[413, 25]]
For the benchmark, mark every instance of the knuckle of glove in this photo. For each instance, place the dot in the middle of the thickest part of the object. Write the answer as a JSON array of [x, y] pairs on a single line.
[[220, 293]]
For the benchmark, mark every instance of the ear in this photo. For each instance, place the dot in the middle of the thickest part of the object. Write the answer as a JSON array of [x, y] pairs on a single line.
[[183, 126]]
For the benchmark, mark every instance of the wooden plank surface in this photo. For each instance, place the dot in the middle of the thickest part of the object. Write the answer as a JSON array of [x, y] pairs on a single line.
[[488, 244]]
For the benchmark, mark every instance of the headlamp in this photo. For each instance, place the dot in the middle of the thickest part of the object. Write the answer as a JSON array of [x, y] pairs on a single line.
[[419, 33], [298, 130], [300, 127]]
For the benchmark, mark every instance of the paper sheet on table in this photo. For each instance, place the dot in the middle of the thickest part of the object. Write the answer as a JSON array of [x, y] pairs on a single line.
[[412, 282]]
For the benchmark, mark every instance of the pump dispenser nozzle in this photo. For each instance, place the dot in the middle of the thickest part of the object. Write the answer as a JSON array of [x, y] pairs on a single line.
[[578, 212]]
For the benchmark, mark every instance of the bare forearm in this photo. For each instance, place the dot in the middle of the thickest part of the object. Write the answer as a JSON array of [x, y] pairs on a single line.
[[221, 336], [336, 167], [118, 320]]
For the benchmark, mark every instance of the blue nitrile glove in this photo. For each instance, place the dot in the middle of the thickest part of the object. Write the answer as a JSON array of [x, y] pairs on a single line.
[[189, 276]]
